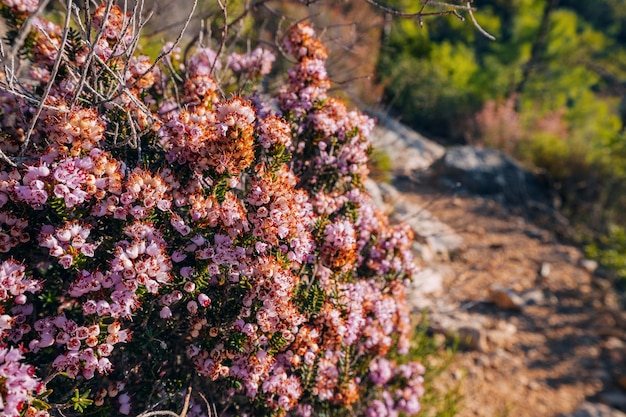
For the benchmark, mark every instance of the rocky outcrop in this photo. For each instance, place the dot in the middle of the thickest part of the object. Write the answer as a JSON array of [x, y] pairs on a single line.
[[489, 172], [408, 150]]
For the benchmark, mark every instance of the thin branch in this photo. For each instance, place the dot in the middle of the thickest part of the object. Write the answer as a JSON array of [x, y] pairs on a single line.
[[159, 413], [24, 31], [224, 33], [450, 9], [125, 90], [477, 26], [32, 99], [421, 12], [134, 143], [91, 54], [53, 74], [186, 404], [210, 406], [174, 45]]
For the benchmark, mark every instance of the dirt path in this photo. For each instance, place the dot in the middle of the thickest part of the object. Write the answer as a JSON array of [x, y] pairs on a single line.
[[567, 343]]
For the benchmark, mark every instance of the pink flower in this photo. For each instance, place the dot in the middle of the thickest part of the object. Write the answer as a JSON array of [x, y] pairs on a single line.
[[105, 349], [66, 261], [178, 224], [204, 300], [192, 307], [104, 366], [124, 408], [165, 313], [18, 384]]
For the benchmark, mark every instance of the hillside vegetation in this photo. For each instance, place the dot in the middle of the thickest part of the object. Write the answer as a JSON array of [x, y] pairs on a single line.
[[551, 91]]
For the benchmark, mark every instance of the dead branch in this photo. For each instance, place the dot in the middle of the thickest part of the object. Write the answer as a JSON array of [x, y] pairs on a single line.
[[53, 74], [447, 9]]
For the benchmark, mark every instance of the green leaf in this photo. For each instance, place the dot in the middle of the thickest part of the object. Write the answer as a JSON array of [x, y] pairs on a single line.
[[81, 401]]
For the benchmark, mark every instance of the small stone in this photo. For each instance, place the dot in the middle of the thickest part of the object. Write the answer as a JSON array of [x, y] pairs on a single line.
[[522, 380], [534, 385], [613, 343], [500, 338], [374, 191], [602, 375], [589, 265], [428, 281], [533, 297], [505, 299], [612, 300], [390, 194], [472, 337], [534, 233], [545, 269], [423, 251], [604, 325]]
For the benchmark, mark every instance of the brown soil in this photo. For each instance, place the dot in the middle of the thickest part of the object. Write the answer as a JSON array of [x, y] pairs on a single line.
[[567, 348]]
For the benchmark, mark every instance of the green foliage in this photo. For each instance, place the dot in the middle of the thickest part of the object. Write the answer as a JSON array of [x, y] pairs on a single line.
[[310, 299], [563, 86], [81, 401], [380, 165], [437, 357], [549, 151], [436, 76], [610, 251], [425, 93]]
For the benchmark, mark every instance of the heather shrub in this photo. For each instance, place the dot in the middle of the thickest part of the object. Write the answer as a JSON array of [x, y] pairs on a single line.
[[165, 246], [498, 125]]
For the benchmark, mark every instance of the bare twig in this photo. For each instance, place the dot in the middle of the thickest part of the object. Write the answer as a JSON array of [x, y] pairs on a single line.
[[53, 74], [421, 12], [32, 99], [183, 413], [447, 9], [224, 33], [159, 413], [210, 406], [125, 90], [477, 26], [19, 41], [91, 54], [175, 44]]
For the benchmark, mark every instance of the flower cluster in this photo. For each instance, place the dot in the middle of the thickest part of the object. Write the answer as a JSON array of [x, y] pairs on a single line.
[[333, 150], [402, 399], [12, 231], [18, 385], [14, 282], [27, 6], [67, 242], [169, 237], [115, 31], [256, 63]]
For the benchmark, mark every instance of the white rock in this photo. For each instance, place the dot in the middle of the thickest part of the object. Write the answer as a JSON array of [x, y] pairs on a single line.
[[440, 237], [408, 150], [533, 297], [589, 265], [429, 281]]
